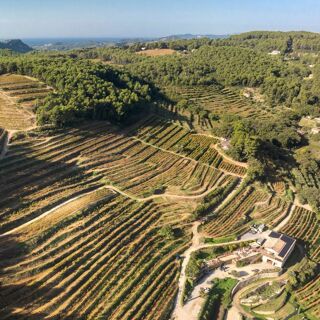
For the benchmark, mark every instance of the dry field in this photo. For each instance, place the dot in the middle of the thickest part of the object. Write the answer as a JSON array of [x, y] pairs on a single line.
[[157, 52], [18, 96]]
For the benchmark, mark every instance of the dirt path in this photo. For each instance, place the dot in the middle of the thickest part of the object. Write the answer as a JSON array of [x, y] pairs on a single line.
[[223, 155], [6, 142], [117, 190], [285, 220], [17, 229], [190, 310], [233, 314], [193, 160], [180, 312]]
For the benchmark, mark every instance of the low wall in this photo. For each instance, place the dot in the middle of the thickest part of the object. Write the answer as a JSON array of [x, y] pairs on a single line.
[[241, 284]]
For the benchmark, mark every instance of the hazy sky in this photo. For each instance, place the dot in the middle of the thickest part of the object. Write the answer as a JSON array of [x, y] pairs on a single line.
[[131, 18]]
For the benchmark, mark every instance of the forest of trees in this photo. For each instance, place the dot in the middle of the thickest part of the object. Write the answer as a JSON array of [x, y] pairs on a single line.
[[279, 80], [81, 89], [265, 41]]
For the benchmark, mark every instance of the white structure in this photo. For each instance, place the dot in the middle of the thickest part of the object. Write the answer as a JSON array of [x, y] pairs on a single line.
[[225, 144], [275, 52], [277, 249]]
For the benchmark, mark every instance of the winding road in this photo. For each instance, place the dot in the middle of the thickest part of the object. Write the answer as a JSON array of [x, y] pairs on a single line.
[[114, 189]]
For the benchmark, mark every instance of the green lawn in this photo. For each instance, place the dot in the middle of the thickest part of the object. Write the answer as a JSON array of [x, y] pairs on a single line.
[[220, 240]]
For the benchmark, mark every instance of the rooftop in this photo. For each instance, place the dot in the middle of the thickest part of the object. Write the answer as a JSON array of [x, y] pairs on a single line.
[[279, 243]]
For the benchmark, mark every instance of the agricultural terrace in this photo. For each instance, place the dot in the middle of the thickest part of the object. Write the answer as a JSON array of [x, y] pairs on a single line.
[[267, 299], [94, 215], [44, 168], [233, 217], [222, 101], [18, 96], [272, 212], [176, 139], [82, 260], [309, 298], [305, 225], [82, 210], [157, 52]]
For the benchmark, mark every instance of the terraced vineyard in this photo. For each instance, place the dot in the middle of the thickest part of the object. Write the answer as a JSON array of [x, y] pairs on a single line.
[[94, 219], [18, 95], [272, 212], [309, 298], [82, 261], [177, 139], [233, 217], [78, 247], [305, 225], [41, 171], [221, 101]]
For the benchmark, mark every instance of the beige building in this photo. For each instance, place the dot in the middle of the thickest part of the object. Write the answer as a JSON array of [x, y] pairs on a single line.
[[277, 249]]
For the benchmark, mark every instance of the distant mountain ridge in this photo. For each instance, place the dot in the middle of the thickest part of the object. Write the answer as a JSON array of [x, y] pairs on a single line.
[[189, 36], [76, 43], [15, 45]]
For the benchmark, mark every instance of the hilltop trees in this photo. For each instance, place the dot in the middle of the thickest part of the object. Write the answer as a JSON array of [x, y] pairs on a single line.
[[210, 65], [82, 89]]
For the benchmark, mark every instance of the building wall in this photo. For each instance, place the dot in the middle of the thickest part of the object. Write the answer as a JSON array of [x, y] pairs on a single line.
[[274, 262], [289, 252]]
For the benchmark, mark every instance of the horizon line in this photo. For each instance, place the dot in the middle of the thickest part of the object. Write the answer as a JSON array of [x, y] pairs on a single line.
[[151, 37]]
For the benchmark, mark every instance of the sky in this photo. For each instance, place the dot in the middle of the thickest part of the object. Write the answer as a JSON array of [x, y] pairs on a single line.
[[152, 18]]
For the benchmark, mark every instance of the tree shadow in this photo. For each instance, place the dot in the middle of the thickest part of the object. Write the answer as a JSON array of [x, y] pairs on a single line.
[[23, 178]]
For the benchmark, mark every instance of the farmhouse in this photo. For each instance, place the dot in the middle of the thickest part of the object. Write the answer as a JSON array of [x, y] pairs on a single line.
[[277, 248]]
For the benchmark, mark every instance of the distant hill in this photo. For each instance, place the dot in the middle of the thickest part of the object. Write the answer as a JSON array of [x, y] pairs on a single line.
[[53, 44], [15, 45], [189, 36]]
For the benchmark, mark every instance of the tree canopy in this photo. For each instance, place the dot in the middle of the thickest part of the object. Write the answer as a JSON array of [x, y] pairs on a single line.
[[81, 89]]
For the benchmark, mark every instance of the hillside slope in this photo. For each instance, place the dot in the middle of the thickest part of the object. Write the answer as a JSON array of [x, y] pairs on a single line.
[[15, 45]]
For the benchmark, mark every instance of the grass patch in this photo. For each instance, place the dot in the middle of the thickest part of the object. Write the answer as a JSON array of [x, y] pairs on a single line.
[[219, 296], [221, 239], [273, 305]]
